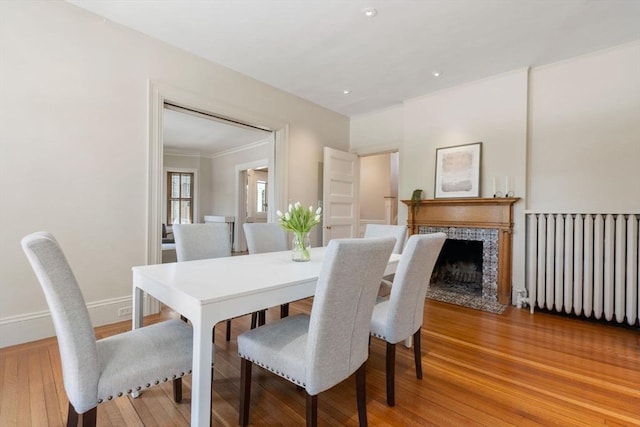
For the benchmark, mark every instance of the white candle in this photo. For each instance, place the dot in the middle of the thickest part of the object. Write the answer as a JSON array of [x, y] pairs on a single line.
[[506, 186], [494, 185]]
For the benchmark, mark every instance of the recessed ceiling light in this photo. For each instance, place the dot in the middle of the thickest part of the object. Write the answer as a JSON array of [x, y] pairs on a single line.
[[436, 73], [369, 12], [346, 91]]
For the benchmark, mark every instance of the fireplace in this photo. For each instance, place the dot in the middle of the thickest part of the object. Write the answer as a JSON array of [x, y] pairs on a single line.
[[475, 223], [467, 245], [459, 267]]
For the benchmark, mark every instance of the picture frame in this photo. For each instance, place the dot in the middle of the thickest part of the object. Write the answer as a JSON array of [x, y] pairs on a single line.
[[458, 171]]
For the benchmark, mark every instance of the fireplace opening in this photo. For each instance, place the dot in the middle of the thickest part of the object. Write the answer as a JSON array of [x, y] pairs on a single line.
[[459, 267]]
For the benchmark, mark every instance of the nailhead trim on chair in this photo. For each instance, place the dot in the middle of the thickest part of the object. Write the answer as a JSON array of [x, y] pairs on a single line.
[[379, 336], [138, 388], [296, 382]]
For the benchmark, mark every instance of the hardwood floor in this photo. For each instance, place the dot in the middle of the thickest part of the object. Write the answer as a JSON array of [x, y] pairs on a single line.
[[479, 369]]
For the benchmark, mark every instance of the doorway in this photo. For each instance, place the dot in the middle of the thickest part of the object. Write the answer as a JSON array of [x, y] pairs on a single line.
[[358, 190], [378, 198], [277, 166], [252, 204]]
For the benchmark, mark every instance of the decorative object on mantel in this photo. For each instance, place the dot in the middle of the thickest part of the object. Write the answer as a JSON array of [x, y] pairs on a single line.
[[458, 171], [416, 196], [508, 192], [300, 221]]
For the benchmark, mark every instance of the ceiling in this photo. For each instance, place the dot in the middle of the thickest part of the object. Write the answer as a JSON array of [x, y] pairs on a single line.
[[316, 49], [186, 133]]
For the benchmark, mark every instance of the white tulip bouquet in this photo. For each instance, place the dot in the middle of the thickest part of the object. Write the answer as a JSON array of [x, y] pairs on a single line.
[[300, 220]]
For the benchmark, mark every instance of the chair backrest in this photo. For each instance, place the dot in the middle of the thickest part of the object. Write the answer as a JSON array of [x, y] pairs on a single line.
[[76, 338], [383, 230], [201, 241], [265, 237], [409, 290], [338, 340]]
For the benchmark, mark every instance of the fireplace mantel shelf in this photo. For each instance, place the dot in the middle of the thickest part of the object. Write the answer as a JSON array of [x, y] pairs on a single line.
[[468, 212], [496, 213]]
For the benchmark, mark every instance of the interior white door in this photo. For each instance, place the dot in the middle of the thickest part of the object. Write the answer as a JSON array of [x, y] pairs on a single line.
[[341, 183]]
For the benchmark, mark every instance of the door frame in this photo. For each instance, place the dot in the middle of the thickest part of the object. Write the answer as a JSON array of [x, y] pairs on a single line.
[[159, 93]]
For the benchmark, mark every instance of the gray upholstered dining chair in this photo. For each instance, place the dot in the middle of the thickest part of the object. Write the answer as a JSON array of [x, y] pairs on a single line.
[[384, 230], [98, 371], [399, 315], [266, 237], [320, 350], [203, 241]]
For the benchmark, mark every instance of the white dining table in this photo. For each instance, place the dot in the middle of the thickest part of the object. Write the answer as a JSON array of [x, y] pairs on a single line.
[[210, 291]]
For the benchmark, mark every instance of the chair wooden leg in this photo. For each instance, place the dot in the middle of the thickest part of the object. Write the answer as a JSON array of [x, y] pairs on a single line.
[[228, 330], [284, 310], [254, 319], [86, 419], [361, 395], [262, 317], [72, 416], [89, 418], [417, 355], [312, 410], [177, 390], [391, 373], [245, 391]]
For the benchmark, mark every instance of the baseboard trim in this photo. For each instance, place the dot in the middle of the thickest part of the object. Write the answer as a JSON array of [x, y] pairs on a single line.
[[37, 325]]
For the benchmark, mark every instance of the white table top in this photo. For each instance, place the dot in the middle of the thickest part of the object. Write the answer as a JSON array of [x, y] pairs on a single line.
[[217, 279]]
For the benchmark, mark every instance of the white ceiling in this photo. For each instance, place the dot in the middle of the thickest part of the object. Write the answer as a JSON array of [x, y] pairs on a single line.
[[184, 133], [315, 49]]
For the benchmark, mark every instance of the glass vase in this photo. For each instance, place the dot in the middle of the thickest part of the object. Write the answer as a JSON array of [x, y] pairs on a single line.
[[300, 247]]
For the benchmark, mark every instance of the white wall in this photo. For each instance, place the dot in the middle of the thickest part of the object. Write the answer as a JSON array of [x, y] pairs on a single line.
[[585, 134], [224, 177], [74, 142], [568, 133], [378, 131]]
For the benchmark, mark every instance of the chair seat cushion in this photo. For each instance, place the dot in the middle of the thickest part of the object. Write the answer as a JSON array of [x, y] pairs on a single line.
[[379, 318], [144, 357], [279, 347]]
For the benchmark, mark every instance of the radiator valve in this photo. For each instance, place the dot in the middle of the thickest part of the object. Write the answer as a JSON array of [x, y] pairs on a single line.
[[521, 299]]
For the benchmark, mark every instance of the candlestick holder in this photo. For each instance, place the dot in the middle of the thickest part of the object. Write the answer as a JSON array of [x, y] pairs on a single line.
[[498, 194]]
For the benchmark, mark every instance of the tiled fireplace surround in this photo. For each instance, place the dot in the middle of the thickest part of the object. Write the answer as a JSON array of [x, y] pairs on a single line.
[[489, 220]]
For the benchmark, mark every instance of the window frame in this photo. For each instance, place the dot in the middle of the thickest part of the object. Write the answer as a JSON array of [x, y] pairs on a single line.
[[166, 193]]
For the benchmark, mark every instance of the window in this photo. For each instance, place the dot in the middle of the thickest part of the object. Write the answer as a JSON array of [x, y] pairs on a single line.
[[180, 197], [261, 194]]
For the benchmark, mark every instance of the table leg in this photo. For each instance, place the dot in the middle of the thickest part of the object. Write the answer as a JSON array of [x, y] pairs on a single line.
[[201, 375], [137, 315]]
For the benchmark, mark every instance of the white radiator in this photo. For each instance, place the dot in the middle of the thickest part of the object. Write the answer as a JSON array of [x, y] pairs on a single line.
[[584, 264]]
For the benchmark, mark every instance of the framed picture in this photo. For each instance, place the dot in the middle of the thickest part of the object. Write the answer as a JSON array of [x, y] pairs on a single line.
[[458, 171]]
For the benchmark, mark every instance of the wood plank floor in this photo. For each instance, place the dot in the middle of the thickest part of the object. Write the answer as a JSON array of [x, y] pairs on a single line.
[[479, 369]]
